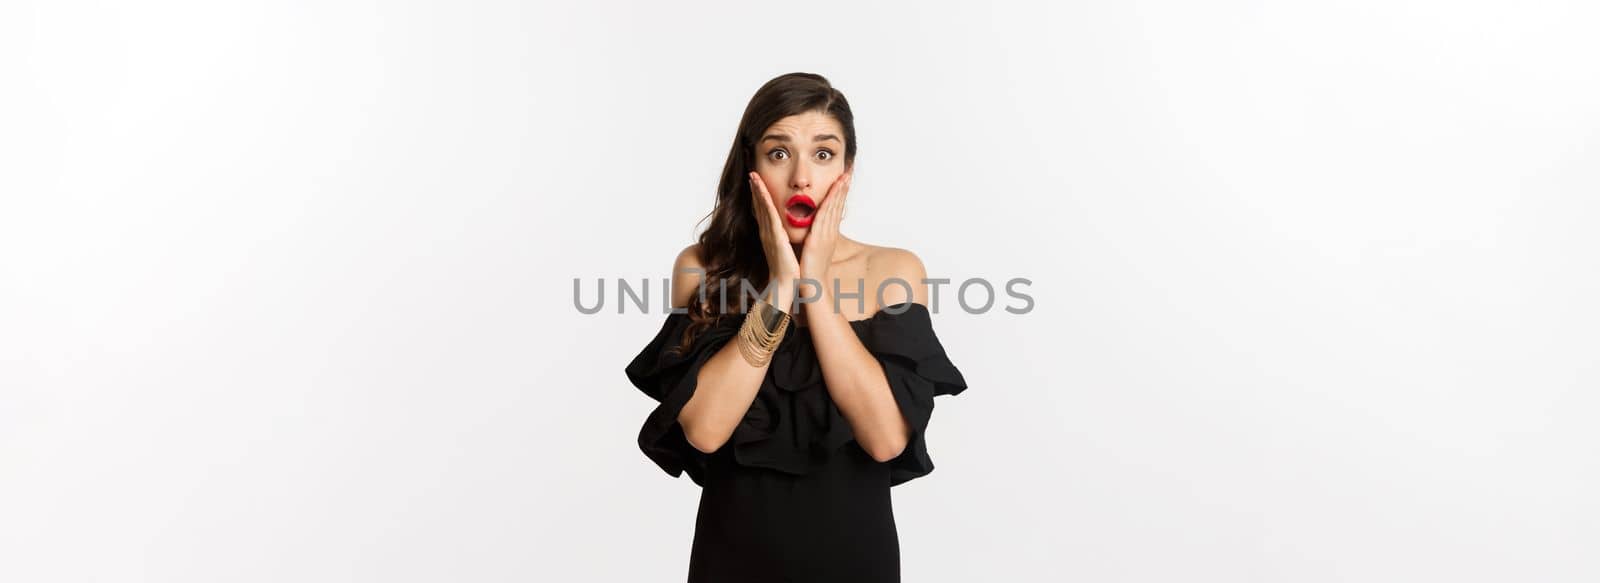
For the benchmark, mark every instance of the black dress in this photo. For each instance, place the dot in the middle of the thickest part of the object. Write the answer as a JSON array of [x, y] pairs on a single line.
[[792, 497]]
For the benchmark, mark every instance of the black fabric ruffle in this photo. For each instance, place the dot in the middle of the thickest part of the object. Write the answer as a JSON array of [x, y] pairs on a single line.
[[918, 370], [669, 377], [793, 426]]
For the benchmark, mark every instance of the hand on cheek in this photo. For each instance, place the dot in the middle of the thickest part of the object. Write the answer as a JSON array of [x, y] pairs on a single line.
[[817, 255]]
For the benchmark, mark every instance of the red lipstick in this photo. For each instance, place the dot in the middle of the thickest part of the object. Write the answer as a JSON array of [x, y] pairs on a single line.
[[800, 210]]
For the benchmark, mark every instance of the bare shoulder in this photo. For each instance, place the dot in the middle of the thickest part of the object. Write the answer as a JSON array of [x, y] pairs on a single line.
[[686, 275], [898, 273]]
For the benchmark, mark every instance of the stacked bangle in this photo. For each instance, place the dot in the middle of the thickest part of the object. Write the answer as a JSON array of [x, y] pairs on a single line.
[[761, 333]]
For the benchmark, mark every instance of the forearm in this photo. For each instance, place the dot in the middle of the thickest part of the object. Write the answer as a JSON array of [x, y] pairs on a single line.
[[725, 387], [856, 381]]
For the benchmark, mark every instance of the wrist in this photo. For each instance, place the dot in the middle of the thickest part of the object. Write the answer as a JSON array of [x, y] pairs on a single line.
[[783, 275], [814, 277], [823, 309], [821, 300], [781, 290], [810, 287]]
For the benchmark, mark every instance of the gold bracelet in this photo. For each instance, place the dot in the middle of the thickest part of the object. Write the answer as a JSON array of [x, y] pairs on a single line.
[[756, 341]]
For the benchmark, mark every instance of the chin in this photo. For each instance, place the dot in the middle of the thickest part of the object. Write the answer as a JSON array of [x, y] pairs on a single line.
[[797, 236]]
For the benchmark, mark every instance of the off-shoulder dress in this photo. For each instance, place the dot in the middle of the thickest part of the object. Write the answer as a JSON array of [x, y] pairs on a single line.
[[791, 496]]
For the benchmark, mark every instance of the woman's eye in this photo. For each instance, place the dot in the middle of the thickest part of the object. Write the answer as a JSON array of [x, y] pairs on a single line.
[[780, 154]]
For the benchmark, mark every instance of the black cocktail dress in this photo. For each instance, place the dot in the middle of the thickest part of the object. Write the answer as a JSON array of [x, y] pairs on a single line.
[[791, 497]]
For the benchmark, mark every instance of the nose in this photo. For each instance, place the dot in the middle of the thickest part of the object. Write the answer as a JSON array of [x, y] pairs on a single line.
[[801, 179]]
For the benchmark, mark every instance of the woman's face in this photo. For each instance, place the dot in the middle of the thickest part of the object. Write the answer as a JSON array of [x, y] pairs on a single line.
[[799, 157]]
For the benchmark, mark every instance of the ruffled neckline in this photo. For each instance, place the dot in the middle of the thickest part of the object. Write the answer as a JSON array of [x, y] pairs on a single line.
[[792, 425], [794, 365]]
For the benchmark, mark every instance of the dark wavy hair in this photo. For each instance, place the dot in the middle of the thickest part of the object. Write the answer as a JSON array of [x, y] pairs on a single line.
[[730, 247]]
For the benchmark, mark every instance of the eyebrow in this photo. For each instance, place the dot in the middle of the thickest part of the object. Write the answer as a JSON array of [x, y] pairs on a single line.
[[785, 138]]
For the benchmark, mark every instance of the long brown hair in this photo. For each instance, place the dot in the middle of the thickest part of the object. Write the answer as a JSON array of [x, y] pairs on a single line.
[[730, 247]]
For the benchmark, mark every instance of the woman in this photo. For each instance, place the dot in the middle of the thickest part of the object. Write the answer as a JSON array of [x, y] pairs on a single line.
[[793, 411]]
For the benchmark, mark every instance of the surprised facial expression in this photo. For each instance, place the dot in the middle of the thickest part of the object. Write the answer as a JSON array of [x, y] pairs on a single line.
[[799, 157]]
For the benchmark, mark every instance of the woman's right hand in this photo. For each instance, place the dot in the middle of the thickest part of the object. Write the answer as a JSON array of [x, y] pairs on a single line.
[[782, 266]]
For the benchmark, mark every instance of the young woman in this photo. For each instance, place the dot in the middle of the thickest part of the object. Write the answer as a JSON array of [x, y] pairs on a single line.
[[794, 410]]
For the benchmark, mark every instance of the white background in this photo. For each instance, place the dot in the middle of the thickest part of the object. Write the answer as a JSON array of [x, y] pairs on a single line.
[[286, 287]]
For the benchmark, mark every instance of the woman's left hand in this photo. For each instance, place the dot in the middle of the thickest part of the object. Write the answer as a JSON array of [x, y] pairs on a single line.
[[816, 256]]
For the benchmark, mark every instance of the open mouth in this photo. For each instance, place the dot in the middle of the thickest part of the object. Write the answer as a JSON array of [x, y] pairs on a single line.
[[800, 211]]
